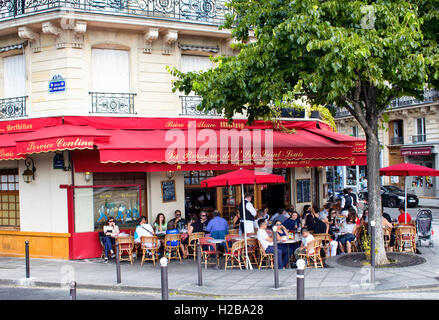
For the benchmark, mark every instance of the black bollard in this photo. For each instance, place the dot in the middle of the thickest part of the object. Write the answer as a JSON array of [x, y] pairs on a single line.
[[118, 264], [26, 246], [300, 295], [276, 264], [200, 275], [164, 271], [73, 290]]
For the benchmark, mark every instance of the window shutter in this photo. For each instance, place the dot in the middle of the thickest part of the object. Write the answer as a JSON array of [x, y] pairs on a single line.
[[110, 70], [195, 63], [14, 81]]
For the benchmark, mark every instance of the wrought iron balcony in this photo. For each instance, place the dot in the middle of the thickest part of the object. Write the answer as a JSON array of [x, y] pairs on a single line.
[[430, 95], [419, 138], [397, 140], [105, 102], [189, 106], [13, 107], [198, 11]]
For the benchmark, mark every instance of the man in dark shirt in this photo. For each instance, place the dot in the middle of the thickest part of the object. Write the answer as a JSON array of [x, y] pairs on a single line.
[[200, 224]]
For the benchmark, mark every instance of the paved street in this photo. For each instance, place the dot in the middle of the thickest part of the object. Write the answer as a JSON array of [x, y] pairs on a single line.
[[97, 280]]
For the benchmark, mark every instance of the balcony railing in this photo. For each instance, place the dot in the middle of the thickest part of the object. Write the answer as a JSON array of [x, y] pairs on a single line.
[[104, 102], [397, 140], [198, 11], [189, 106], [430, 95], [13, 107], [419, 138]]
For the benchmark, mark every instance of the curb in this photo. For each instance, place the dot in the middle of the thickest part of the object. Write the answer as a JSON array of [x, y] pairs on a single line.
[[283, 292]]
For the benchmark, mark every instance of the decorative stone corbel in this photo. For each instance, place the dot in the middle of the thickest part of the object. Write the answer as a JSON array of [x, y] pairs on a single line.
[[150, 35], [78, 34], [169, 40], [33, 37], [50, 28]]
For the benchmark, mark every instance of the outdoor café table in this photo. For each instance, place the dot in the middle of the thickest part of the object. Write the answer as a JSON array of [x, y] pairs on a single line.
[[297, 239], [216, 242]]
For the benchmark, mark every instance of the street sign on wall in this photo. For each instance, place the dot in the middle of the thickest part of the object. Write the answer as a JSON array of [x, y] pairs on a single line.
[[57, 84]]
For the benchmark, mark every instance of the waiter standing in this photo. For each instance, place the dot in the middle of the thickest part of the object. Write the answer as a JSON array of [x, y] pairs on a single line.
[[250, 214]]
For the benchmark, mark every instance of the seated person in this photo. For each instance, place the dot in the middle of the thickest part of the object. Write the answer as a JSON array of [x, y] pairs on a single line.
[[143, 229], [267, 244], [110, 230], [173, 230], [348, 231], [178, 221], [292, 223], [282, 231], [160, 224], [307, 238], [404, 217], [281, 215], [218, 226]]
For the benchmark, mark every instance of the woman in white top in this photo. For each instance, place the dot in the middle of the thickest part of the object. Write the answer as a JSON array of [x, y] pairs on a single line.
[[348, 231], [110, 230]]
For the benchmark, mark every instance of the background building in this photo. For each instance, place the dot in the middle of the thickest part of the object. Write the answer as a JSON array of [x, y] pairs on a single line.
[[411, 135]]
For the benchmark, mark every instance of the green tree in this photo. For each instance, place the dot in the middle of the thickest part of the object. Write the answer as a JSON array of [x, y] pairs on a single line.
[[358, 55]]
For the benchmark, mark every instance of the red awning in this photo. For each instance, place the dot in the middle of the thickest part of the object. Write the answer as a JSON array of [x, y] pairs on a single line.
[[58, 138], [204, 146]]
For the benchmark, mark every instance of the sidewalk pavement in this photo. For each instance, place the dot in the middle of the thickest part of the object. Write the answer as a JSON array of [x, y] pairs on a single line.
[[337, 280], [432, 203]]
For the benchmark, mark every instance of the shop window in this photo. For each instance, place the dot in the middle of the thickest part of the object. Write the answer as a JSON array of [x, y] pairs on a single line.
[[195, 177], [303, 190], [120, 195], [9, 200]]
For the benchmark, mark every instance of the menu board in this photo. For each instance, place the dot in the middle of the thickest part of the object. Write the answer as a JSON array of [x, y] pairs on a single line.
[[168, 191]]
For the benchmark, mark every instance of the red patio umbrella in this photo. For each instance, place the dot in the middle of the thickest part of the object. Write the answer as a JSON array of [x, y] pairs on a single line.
[[241, 177], [407, 169]]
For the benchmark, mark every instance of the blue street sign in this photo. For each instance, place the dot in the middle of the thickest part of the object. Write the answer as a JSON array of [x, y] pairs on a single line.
[[57, 84]]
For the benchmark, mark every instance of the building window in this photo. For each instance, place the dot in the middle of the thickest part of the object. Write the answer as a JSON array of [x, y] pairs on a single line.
[[355, 131], [14, 76], [111, 71], [420, 130], [190, 63], [303, 190], [195, 177], [10, 205]]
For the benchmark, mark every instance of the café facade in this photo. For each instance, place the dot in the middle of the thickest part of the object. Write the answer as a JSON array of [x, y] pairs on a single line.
[[63, 176]]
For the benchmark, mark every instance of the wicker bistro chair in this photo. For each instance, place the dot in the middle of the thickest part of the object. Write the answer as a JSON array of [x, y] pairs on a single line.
[[267, 257], [150, 248], [325, 241], [314, 257], [234, 231], [252, 250], [387, 236], [230, 238], [192, 243], [234, 255], [172, 245], [406, 238], [126, 244], [207, 250]]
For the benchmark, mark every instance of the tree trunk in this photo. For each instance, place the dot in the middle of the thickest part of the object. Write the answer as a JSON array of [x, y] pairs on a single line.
[[374, 194]]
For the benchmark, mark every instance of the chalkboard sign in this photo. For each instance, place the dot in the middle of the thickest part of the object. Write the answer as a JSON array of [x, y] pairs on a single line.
[[303, 194], [168, 191]]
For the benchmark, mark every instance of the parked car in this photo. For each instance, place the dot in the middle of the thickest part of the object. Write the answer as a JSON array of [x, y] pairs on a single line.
[[392, 197]]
